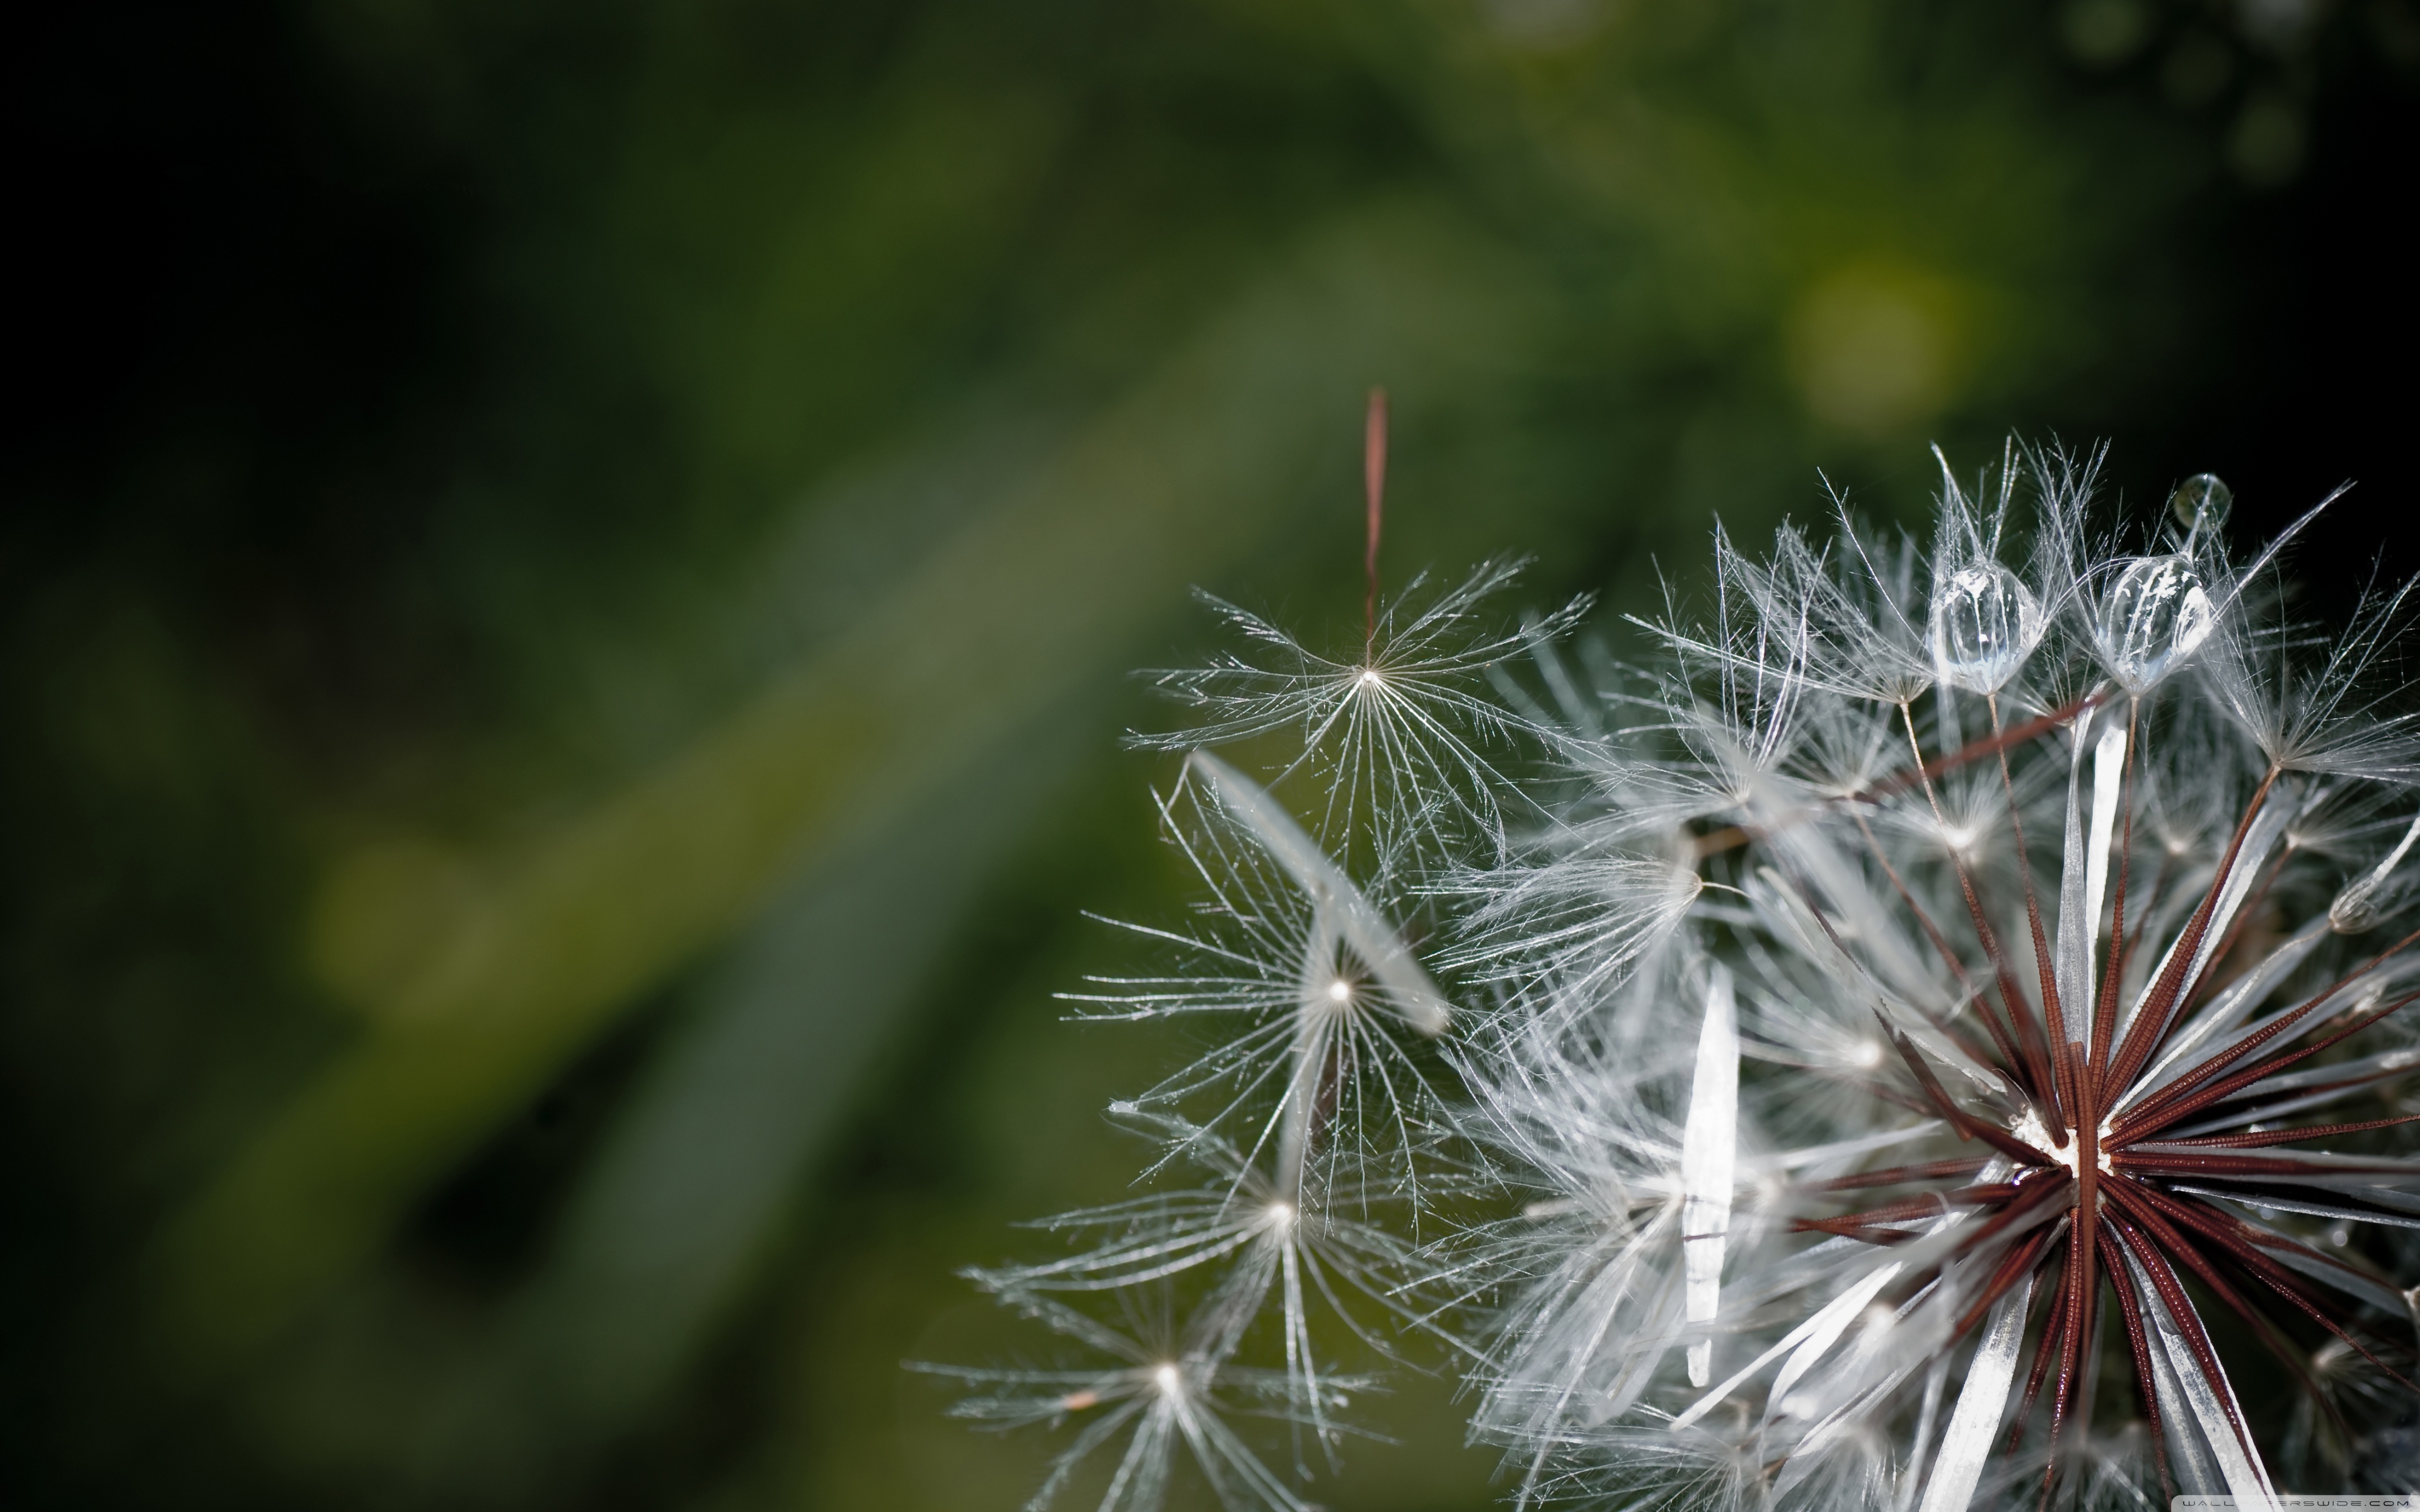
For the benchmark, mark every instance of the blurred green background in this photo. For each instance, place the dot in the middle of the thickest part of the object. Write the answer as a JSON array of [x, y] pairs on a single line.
[[569, 570]]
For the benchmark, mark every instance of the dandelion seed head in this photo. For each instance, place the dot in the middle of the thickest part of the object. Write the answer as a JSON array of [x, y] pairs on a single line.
[[1401, 742], [1838, 1064]]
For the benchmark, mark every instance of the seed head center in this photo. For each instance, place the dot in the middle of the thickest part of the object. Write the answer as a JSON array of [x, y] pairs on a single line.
[[2029, 1127]]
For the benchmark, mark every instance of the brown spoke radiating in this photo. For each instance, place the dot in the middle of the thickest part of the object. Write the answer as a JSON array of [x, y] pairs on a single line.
[[1898, 1175], [2046, 1348], [2146, 1379], [2114, 1221], [2219, 1061], [2291, 1137], [2142, 1123], [2155, 1018], [2024, 1049]]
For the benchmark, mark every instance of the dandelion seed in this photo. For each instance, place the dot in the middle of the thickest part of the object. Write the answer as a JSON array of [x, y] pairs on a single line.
[[1403, 739], [1162, 1407]]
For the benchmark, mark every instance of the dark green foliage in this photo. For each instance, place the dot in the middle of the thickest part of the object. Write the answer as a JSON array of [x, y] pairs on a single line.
[[566, 571]]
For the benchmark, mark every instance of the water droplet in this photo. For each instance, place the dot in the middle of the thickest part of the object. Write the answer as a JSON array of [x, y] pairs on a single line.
[[2202, 501], [1985, 622], [2155, 615]]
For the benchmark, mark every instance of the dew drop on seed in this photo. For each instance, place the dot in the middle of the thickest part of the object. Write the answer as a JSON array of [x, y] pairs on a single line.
[[1984, 625], [2155, 615], [2202, 501]]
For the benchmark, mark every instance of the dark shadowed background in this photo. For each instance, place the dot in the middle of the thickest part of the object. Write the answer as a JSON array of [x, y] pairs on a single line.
[[568, 575]]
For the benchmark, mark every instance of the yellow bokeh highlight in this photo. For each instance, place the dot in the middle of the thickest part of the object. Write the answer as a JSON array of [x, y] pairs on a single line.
[[1876, 349]]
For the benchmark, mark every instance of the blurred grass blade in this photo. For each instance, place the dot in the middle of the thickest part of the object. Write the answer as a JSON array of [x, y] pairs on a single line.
[[705, 1165], [1039, 594]]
